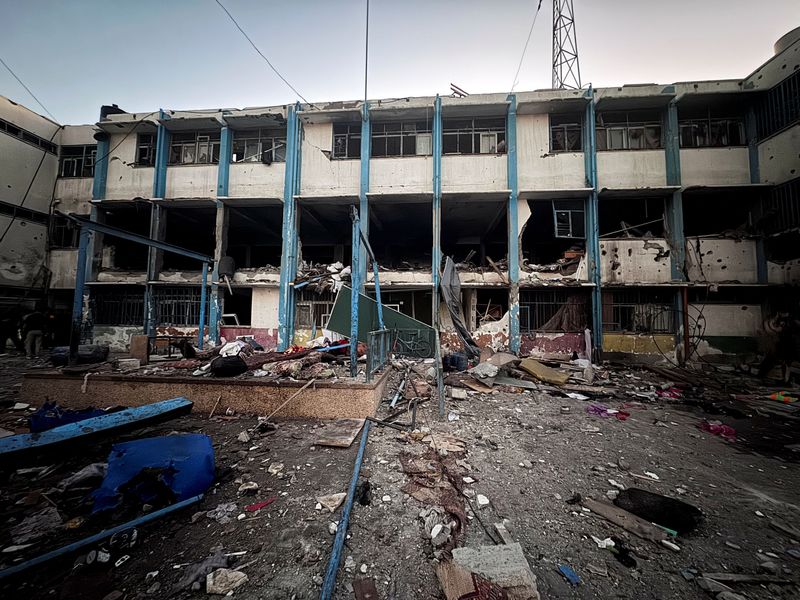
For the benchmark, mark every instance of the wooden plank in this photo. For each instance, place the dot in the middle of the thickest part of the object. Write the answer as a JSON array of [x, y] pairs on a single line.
[[543, 372], [745, 578], [340, 434], [476, 386], [31, 444], [628, 521], [504, 534]]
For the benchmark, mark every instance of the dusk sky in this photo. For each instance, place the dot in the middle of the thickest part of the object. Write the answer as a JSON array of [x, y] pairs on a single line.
[[186, 54]]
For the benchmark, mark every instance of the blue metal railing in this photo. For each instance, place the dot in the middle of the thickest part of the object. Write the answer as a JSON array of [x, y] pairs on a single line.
[[379, 345]]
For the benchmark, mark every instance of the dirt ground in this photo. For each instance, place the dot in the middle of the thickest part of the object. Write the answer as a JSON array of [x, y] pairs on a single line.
[[528, 453]]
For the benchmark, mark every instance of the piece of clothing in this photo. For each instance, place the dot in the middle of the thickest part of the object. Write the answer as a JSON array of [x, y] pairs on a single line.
[[34, 321], [33, 342]]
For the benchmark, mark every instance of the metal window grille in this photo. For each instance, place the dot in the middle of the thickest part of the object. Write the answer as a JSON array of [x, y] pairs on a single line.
[[779, 107], [639, 311], [313, 309], [145, 150], [346, 140], [177, 305], [63, 234], [259, 145], [635, 130], [538, 307], [473, 136], [780, 211], [27, 136], [77, 161], [400, 139], [117, 306], [194, 148]]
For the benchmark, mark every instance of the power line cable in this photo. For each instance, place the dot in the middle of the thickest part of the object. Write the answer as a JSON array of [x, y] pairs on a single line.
[[525, 49], [261, 54], [27, 89]]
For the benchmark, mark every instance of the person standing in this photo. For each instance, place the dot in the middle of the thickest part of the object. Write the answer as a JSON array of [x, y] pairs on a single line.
[[33, 326]]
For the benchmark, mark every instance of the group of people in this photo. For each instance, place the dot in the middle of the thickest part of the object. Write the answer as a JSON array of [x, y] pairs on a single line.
[[25, 330]]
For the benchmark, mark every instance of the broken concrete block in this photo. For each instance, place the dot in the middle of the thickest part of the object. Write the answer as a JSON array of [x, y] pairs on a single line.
[[504, 565], [482, 501], [223, 581], [332, 501], [128, 364], [458, 393]]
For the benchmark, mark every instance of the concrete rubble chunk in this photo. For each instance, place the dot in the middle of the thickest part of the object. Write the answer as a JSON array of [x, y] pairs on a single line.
[[482, 500], [223, 581], [543, 372], [332, 501], [505, 565]]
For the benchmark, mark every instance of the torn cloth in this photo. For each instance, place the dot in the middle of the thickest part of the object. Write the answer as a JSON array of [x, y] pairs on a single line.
[[182, 466], [450, 287]]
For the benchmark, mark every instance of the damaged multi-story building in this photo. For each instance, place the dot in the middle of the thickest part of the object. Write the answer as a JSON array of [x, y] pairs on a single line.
[[646, 219]]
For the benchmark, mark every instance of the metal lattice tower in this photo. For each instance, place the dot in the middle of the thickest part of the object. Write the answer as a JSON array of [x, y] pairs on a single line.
[[566, 70]]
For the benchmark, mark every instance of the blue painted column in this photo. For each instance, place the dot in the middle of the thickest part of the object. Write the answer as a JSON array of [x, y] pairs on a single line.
[[672, 151], [751, 131], [201, 328], [436, 209], [101, 167], [77, 299], [159, 192], [363, 202], [161, 159], [592, 224], [221, 231], [356, 282], [291, 187], [513, 227]]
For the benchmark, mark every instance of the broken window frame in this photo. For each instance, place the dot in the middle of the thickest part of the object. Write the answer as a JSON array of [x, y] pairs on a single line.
[[628, 130], [62, 233], [467, 135], [346, 141], [538, 307], [574, 211], [117, 305], [313, 309], [399, 138], [259, 145], [145, 150], [192, 144], [77, 161], [779, 107], [637, 310], [699, 132], [566, 133]]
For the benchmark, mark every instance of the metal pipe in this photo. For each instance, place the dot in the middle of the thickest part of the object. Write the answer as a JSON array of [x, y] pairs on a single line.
[[329, 584], [400, 389], [98, 537]]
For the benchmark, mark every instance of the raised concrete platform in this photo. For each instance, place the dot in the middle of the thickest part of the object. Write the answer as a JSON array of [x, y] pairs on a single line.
[[321, 400]]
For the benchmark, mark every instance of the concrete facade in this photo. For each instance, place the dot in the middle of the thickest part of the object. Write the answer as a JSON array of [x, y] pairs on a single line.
[[685, 180]]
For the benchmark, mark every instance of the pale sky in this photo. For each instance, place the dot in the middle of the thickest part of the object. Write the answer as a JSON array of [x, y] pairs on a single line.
[[186, 54]]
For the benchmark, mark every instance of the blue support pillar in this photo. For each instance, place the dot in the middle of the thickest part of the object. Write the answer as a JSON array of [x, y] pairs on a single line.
[[101, 168], [161, 158], [677, 240], [202, 326], [363, 202], [592, 224], [221, 232], [224, 168], [513, 227], [355, 269], [77, 299], [436, 261], [291, 187]]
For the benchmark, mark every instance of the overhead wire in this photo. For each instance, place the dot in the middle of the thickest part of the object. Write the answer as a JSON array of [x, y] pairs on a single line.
[[261, 54], [27, 89], [525, 49]]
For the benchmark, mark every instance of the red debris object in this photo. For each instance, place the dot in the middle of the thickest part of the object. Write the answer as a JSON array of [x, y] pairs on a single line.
[[673, 393], [720, 429], [260, 505]]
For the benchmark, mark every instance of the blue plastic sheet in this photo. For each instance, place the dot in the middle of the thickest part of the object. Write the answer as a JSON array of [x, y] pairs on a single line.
[[51, 415], [182, 463]]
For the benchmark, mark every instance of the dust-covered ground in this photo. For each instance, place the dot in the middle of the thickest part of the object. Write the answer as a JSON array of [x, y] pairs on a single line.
[[527, 453]]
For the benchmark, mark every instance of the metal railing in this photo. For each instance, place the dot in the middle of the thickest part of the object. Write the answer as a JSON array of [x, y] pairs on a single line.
[[379, 344]]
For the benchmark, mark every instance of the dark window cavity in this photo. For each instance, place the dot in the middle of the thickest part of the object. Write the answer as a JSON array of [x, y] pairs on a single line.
[[568, 219], [401, 139], [63, 233], [77, 161], [779, 107], [259, 145], [710, 129], [194, 148], [145, 150], [633, 130], [474, 136], [566, 133], [347, 140], [639, 311]]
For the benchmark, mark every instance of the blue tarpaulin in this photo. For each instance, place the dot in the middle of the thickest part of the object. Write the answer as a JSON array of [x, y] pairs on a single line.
[[182, 463], [52, 415]]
